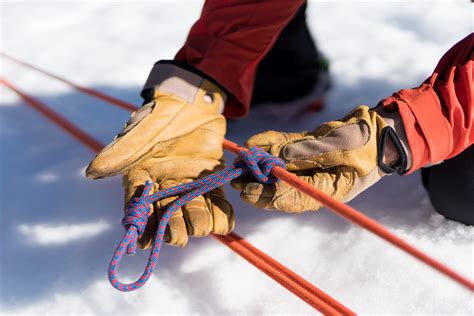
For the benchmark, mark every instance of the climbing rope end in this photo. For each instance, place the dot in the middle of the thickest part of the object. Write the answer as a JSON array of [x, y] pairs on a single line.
[[132, 245]]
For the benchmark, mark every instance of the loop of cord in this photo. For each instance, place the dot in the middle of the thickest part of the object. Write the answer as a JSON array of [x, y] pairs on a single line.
[[256, 161], [294, 283], [318, 299]]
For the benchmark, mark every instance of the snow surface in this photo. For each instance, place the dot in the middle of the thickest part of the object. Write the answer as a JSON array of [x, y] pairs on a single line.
[[59, 229]]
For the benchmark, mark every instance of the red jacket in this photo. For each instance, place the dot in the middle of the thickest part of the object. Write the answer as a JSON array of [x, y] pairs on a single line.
[[438, 116], [232, 36]]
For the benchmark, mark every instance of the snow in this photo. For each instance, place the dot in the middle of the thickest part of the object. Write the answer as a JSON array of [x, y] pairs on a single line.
[[59, 229], [62, 234]]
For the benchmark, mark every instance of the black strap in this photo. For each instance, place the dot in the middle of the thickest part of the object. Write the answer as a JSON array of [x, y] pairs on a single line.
[[401, 165]]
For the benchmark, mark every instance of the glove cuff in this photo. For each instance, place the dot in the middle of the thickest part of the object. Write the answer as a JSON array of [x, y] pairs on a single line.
[[167, 77]]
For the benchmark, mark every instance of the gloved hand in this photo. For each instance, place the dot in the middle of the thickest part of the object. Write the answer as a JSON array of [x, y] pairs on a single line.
[[176, 138], [341, 158]]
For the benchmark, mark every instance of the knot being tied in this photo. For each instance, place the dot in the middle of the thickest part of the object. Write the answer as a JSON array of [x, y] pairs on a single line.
[[256, 161], [260, 164], [136, 216]]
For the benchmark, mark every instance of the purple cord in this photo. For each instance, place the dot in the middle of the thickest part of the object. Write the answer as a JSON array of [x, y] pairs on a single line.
[[257, 161]]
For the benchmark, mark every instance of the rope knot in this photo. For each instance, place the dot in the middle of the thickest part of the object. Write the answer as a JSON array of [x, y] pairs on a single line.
[[260, 164], [136, 217], [257, 161]]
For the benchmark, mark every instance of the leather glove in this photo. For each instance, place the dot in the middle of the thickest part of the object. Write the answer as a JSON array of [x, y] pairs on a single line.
[[176, 138], [341, 158]]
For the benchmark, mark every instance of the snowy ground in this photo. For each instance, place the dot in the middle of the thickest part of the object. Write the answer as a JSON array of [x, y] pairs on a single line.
[[59, 229]]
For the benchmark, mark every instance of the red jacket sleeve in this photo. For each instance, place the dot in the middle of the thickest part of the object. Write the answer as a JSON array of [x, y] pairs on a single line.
[[438, 115], [230, 39]]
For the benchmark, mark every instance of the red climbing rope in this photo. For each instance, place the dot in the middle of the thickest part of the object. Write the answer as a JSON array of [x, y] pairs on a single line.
[[255, 161], [360, 219], [68, 126], [91, 92], [309, 293], [338, 207]]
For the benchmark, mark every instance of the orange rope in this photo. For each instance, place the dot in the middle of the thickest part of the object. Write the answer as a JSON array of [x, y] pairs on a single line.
[[65, 124], [341, 209], [91, 92], [360, 219], [278, 272]]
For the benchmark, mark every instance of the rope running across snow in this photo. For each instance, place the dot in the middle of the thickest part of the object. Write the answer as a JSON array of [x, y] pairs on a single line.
[[293, 282], [338, 207]]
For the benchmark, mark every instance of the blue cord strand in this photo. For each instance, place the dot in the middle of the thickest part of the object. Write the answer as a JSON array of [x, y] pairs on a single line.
[[256, 161]]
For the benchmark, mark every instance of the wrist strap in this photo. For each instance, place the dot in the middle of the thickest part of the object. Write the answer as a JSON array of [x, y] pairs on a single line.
[[401, 165]]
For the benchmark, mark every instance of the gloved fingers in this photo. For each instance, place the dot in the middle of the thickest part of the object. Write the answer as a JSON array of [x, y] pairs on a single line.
[[295, 201], [198, 216], [176, 233], [255, 193], [258, 194], [222, 212], [280, 196], [336, 182], [239, 183], [271, 141], [146, 240], [134, 183]]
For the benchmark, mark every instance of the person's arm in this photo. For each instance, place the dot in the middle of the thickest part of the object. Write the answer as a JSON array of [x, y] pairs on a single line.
[[409, 130], [229, 40], [176, 136], [438, 116]]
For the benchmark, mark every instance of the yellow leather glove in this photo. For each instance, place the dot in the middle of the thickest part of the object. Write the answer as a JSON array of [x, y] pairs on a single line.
[[340, 158], [174, 139]]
